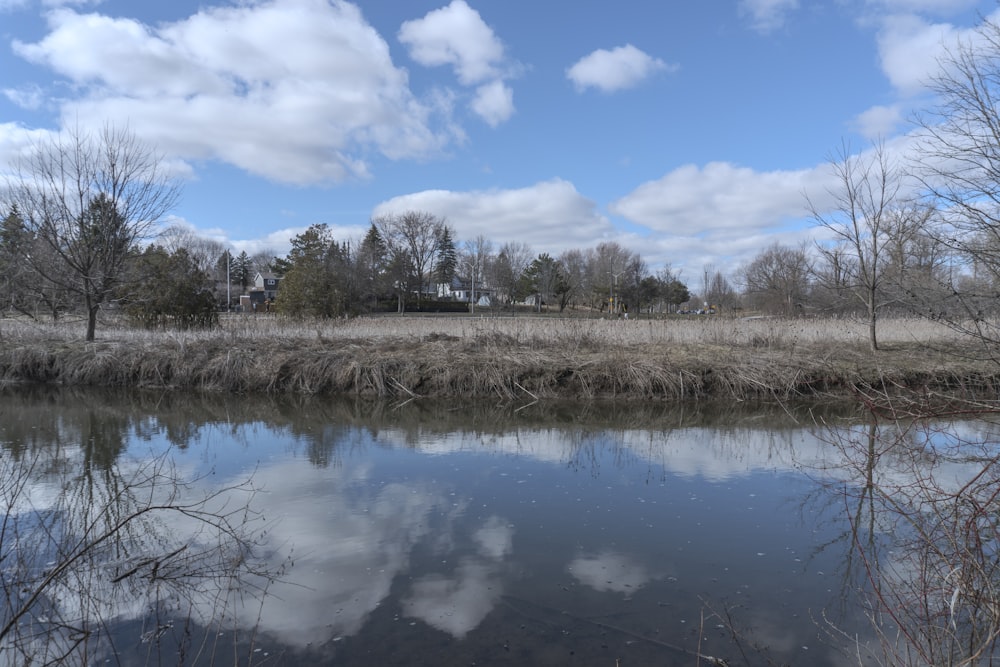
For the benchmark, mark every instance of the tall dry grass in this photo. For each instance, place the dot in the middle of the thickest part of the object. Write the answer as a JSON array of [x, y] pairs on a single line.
[[503, 357], [775, 333]]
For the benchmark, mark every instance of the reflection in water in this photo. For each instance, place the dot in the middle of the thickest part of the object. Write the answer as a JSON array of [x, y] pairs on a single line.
[[923, 502], [610, 571], [584, 533]]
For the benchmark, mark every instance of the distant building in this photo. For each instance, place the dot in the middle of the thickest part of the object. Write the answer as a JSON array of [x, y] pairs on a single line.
[[460, 289], [265, 287]]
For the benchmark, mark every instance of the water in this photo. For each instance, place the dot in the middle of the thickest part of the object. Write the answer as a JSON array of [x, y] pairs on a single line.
[[435, 533]]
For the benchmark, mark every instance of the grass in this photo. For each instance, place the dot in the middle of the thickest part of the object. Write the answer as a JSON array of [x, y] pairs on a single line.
[[503, 357]]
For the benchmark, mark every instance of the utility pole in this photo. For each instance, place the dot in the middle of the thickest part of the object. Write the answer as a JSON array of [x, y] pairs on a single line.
[[229, 282]]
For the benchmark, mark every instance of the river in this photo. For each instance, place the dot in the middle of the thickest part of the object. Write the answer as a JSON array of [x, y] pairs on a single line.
[[221, 529]]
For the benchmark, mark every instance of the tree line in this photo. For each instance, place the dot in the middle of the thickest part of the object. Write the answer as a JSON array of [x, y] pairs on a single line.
[[411, 261]]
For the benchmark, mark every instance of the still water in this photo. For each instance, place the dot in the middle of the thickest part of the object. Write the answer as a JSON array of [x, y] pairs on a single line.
[[430, 533]]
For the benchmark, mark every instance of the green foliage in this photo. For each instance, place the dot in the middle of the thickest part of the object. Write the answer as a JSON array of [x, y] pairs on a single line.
[[316, 281], [546, 278], [242, 272], [169, 290], [447, 256], [371, 265]]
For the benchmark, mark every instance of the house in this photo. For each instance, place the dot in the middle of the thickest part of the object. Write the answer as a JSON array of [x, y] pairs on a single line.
[[265, 287], [460, 289]]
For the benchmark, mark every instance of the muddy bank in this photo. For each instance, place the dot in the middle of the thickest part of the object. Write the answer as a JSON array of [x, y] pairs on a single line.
[[441, 366]]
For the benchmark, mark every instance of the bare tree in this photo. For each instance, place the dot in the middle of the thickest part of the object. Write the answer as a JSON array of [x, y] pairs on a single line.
[[956, 160], [511, 262], [777, 279], [204, 251], [417, 234], [609, 263], [574, 263], [867, 190], [90, 199], [474, 258]]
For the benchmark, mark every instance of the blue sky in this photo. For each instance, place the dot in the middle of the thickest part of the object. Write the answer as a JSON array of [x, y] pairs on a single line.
[[690, 132]]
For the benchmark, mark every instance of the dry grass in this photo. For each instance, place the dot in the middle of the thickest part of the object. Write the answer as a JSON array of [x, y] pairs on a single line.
[[503, 357], [544, 331]]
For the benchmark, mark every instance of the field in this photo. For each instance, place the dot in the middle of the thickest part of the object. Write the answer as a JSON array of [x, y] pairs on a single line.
[[506, 357]]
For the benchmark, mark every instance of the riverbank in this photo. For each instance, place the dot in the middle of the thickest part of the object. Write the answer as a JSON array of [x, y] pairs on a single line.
[[505, 358]]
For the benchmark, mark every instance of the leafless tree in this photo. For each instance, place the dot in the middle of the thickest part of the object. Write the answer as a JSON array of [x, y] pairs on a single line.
[[859, 220], [777, 280], [609, 264], [474, 258], [91, 199], [574, 263], [957, 161], [415, 233], [511, 261]]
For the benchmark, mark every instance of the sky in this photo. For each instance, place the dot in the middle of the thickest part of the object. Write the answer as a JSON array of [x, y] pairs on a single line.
[[688, 132]]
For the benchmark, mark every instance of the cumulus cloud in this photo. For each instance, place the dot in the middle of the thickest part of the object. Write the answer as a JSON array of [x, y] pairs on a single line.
[[620, 68], [719, 196], [910, 48], [297, 91], [550, 216], [494, 102], [878, 121], [722, 212], [456, 35], [767, 15]]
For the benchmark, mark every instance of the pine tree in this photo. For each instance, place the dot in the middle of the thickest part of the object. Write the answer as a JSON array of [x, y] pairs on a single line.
[[447, 257]]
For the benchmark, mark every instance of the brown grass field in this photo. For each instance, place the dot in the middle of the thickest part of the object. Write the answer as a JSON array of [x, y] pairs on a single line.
[[508, 358]]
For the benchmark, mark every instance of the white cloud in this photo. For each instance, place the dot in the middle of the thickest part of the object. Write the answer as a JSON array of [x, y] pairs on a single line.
[[29, 97], [550, 216], [620, 68], [494, 102], [297, 91], [767, 15], [878, 121], [910, 49], [456, 35], [717, 197]]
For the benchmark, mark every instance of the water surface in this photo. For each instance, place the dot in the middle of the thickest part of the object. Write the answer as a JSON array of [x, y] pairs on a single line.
[[450, 534]]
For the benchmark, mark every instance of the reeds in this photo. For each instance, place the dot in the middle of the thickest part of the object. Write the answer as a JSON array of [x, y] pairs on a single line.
[[502, 357]]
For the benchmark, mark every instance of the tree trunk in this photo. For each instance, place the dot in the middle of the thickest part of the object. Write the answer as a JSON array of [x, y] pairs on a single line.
[[92, 322], [872, 316]]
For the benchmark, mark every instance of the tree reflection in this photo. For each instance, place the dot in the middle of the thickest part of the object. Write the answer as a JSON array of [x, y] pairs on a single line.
[[923, 501], [91, 537]]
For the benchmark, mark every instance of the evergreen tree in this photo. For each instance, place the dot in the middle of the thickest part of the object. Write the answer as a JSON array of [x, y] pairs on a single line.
[[242, 271], [447, 256], [314, 284], [372, 261], [168, 289]]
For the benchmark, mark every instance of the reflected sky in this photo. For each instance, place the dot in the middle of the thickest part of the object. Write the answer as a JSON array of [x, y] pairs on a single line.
[[543, 544]]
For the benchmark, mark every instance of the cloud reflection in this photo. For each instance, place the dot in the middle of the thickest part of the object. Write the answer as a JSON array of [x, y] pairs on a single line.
[[349, 544], [459, 603], [611, 571]]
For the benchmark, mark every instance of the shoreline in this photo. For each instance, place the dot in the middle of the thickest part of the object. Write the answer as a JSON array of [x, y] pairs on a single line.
[[444, 366]]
